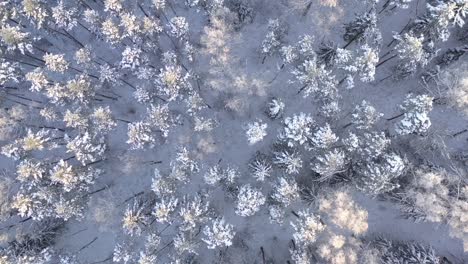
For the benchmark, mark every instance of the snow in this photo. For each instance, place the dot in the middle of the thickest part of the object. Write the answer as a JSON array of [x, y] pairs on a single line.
[[187, 125]]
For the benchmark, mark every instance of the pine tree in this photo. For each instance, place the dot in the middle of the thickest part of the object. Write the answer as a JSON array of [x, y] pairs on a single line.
[[38, 80], [286, 191], [249, 201], [272, 41], [164, 209], [179, 27], [275, 108], [256, 131], [29, 170], [219, 234], [14, 39], [416, 115], [214, 175], [337, 249], [297, 129], [288, 54], [365, 63], [378, 177], [403, 252], [171, 81], [260, 169], [413, 52], [134, 219], [113, 5], [132, 26], [64, 16], [36, 11], [403, 4], [102, 119], [329, 164], [193, 212], [307, 227], [8, 72], [306, 47], [301, 255], [185, 242], [363, 29], [372, 145], [162, 186], [79, 89], [131, 58], [289, 160], [440, 17], [315, 79], [140, 135], [87, 148], [340, 209], [365, 115], [111, 31], [122, 254], [56, 62], [324, 137]]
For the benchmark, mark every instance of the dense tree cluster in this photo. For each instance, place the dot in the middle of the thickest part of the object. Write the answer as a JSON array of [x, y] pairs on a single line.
[[93, 91]]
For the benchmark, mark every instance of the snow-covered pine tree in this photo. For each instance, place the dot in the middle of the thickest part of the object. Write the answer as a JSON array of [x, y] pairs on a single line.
[[36, 11], [193, 212], [275, 108], [64, 16], [9, 72], [260, 168], [286, 191], [413, 53], [289, 54], [297, 129], [364, 115], [213, 175], [290, 160], [363, 29], [111, 31], [305, 47], [179, 27], [364, 65], [38, 80], [161, 185], [249, 201], [140, 135], [256, 131], [324, 137], [113, 6], [171, 81], [56, 62], [87, 148], [219, 234], [103, 120], [371, 145], [165, 208], [14, 39], [131, 58], [315, 79], [403, 4], [135, 218], [339, 208], [377, 177], [398, 252], [329, 164], [416, 115], [272, 40], [307, 228]]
